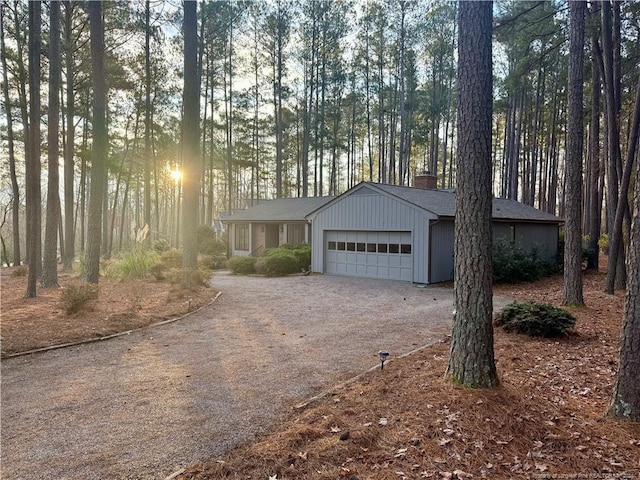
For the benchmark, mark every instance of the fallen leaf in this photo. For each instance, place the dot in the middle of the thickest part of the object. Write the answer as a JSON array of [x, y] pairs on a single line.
[[274, 477], [444, 441], [439, 460], [368, 424], [542, 467], [335, 429], [302, 455], [462, 475], [383, 421]]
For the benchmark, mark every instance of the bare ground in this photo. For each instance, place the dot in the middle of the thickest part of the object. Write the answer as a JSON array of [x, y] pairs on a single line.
[[145, 404], [547, 420]]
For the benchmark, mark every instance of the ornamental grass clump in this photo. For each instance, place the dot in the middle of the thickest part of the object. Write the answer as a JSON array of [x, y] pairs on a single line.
[[136, 263], [535, 319]]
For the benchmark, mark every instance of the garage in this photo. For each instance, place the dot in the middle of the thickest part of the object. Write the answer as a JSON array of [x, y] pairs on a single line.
[[386, 255], [393, 232]]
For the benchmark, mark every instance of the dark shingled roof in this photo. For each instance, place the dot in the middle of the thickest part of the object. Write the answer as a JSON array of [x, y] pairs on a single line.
[[278, 210], [443, 204]]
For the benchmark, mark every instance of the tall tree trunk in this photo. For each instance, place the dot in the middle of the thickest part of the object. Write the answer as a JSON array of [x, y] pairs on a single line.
[[50, 259], [471, 360], [32, 172], [229, 118], [595, 205], [190, 137], [625, 401], [15, 191], [147, 116], [100, 145], [69, 224], [613, 131], [573, 205], [615, 247]]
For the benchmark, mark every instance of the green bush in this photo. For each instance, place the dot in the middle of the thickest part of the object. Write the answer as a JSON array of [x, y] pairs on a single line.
[[512, 264], [241, 265], [279, 262], [603, 243], [135, 263], [75, 297], [161, 246], [209, 243], [302, 252], [535, 319], [188, 279], [172, 258]]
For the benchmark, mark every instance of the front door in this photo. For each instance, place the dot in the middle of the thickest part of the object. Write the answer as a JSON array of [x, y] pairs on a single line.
[[271, 236]]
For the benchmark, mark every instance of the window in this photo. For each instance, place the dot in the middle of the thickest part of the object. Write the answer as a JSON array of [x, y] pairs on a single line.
[[295, 233], [340, 245], [405, 248], [242, 236], [371, 247], [394, 248], [332, 246], [351, 246], [360, 247], [512, 233], [382, 248]]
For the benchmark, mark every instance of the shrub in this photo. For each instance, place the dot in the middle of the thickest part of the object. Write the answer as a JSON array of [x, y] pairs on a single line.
[[279, 262], [20, 271], [161, 246], [512, 264], [188, 279], [535, 319], [209, 243], [172, 258], [75, 297], [135, 263], [159, 271], [603, 243], [302, 252], [241, 265]]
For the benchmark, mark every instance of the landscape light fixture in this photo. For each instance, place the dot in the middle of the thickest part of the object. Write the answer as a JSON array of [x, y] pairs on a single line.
[[383, 357]]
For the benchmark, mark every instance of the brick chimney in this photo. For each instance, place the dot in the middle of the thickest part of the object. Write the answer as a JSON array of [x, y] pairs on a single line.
[[426, 181]]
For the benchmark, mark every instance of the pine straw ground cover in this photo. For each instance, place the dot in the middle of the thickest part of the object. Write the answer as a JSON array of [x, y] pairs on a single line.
[[31, 323], [404, 422]]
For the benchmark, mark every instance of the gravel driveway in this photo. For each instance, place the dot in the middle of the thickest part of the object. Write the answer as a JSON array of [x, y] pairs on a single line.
[[145, 404]]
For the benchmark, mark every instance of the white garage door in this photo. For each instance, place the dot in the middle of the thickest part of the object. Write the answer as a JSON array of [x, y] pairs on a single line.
[[369, 254]]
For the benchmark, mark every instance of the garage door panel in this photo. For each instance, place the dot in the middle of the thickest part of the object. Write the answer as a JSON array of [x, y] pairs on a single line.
[[369, 254]]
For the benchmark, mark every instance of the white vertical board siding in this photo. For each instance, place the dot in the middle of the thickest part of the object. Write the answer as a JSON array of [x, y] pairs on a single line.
[[373, 212]]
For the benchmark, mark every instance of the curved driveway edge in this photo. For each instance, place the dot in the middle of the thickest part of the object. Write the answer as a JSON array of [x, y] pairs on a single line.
[[145, 404], [113, 335]]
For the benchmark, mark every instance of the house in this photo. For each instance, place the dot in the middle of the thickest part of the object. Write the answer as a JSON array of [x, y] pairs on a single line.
[[270, 223], [406, 233], [383, 231]]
